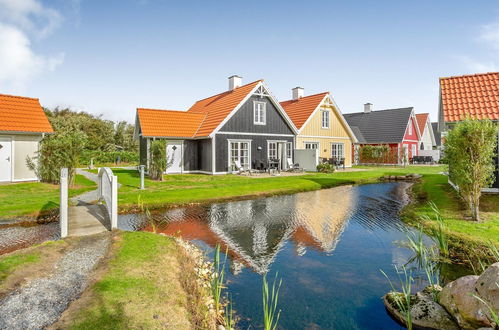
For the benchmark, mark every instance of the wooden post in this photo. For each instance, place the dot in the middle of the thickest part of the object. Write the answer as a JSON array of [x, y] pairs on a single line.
[[63, 203], [114, 202], [142, 169]]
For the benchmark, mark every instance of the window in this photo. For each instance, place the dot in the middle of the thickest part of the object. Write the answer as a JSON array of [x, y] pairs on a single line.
[[272, 150], [311, 145], [337, 150], [410, 128], [413, 150], [289, 150], [259, 113], [239, 151], [325, 118]]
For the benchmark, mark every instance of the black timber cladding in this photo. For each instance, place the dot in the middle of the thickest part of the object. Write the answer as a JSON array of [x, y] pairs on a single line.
[[242, 120], [257, 156], [380, 126]]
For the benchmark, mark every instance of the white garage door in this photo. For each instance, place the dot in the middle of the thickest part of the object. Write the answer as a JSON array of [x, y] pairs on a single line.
[[5, 159]]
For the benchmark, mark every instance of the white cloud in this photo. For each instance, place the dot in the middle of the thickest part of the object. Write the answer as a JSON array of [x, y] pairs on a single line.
[[478, 66], [20, 21], [30, 15], [490, 34]]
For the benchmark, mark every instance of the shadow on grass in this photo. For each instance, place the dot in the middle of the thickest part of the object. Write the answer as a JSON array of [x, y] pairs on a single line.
[[105, 317]]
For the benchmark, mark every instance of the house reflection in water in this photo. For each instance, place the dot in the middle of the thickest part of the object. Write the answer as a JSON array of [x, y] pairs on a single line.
[[254, 231]]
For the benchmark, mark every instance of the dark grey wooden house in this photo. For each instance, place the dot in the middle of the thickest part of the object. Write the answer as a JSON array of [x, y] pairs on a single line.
[[245, 124]]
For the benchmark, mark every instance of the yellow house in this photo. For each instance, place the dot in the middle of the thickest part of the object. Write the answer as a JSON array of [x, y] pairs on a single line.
[[320, 125]]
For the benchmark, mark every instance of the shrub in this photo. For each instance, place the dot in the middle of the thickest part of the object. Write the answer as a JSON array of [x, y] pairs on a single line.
[[158, 159], [325, 168], [57, 151], [104, 157], [469, 150]]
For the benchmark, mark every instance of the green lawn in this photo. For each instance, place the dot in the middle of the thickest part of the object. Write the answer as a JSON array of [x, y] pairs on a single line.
[[188, 188], [35, 198], [149, 283], [10, 263]]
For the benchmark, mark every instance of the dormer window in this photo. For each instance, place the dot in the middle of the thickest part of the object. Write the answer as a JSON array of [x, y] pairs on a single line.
[[325, 118], [259, 113]]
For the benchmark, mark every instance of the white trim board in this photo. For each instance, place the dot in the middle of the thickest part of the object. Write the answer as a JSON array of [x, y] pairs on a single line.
[[323, 137], [259, 134]]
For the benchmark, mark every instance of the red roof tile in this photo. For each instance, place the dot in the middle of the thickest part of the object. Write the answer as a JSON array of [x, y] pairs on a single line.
[[421, 119], [169, 123], [470, 95], [299, 110], [22, 114], [218, 107]]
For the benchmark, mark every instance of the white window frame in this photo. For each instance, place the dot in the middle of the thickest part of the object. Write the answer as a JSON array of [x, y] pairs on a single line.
[[269, 142], [336, 144], [289, 149], [328, 121], [229, 155], [312, 142], [413, 150], [410, 127], [261, 117]]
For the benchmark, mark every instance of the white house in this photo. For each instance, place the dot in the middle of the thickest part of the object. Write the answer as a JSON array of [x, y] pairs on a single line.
[[427, 137], [22, 125]]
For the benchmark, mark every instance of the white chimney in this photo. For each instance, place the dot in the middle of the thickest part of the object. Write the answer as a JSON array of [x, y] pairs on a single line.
[[235, 82], [297, 93], [368, 107]]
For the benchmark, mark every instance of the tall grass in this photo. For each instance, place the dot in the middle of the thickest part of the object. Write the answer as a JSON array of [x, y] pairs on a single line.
[[147, 215], [217, 281], [229, 320], [438, 234], [402, 300], [270, 297], [414, 242]]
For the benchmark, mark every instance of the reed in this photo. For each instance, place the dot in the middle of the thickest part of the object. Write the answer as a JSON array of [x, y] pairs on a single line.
[[438, 235], [270, 297], [402, 299], [217, 281], [229, 320]]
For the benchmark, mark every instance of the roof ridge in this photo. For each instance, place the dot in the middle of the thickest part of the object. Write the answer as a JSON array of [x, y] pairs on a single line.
[[209, 97], [303, 97], [470, 75], [20, 97], [170, 110], [362, 112]]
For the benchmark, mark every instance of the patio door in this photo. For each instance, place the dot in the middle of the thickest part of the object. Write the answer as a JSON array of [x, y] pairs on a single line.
[[239, 150], [5, 159]]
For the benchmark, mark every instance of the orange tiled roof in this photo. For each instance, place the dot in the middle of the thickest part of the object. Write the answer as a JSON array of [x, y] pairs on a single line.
[[218, 107], [474, 95], [421, 119], [22, 114], [169, 123], [299, 110]]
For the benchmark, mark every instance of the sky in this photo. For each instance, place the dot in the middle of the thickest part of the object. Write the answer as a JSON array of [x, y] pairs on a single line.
[[110, 57]]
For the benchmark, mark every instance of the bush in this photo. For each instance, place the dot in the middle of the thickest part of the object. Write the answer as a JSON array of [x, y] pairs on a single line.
[[325, 168], [158, 163], [57, 151]]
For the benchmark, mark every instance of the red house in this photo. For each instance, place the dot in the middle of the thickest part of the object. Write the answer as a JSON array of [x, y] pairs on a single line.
[[396, 128]]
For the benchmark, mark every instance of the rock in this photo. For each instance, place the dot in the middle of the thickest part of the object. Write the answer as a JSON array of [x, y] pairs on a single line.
[[487, 287], [457, 298], [401, 177], [425, 312]]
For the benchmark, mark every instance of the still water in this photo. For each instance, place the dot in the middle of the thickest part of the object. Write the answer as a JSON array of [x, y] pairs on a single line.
[[328, 246]]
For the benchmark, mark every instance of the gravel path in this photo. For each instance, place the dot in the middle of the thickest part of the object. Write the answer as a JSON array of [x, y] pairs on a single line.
[[41, 302], [90, 196]]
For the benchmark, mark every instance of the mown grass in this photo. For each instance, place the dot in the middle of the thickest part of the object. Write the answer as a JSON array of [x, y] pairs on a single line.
[[194, 188], [36, 198], [9, 264], [141, 288]]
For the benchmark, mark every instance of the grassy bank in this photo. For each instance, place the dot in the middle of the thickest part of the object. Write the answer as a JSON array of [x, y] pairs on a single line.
[[33, 199], [184, 189], [147, 283]]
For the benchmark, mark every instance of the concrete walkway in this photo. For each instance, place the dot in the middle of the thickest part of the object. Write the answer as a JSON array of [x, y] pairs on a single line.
[[86, 217]]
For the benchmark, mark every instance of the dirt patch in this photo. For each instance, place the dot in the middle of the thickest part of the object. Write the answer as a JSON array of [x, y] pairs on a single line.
[[49, 253]]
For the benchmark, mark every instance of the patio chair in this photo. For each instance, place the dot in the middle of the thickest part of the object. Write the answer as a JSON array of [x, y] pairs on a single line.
[[341, 163], [293, 167], [240, 169]]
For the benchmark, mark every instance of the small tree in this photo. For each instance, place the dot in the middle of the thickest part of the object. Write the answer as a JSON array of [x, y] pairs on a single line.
[[62, 149], [469, 151], [158, 161]]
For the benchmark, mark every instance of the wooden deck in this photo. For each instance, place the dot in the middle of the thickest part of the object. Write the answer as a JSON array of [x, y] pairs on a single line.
[[87, 220]]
